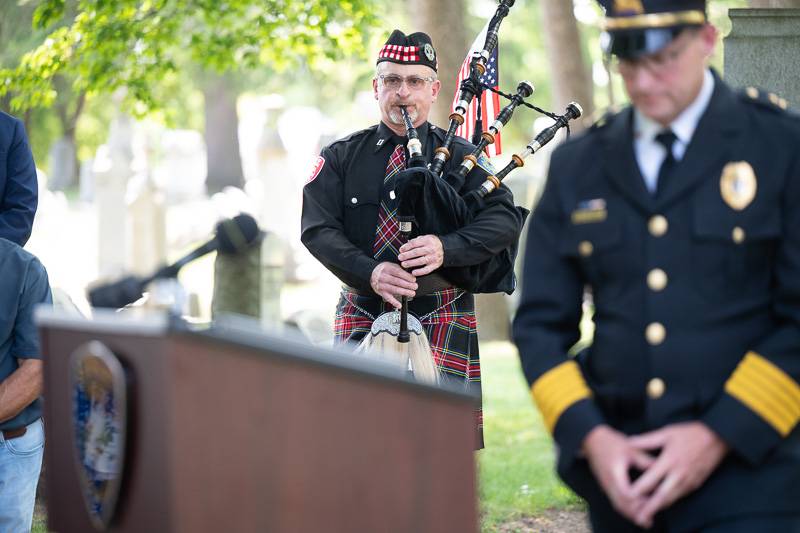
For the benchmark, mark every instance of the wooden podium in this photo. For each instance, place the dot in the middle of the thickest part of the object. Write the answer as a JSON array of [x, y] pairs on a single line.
[[232, 429]]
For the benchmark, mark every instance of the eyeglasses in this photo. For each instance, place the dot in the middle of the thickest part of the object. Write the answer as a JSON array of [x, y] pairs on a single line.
[[414, 83], [657, 63]]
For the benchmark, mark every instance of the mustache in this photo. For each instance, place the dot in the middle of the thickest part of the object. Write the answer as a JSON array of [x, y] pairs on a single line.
[[397, 118]]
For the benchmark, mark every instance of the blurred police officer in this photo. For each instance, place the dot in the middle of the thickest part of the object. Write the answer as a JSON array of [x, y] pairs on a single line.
[[19, 193], [680, 217], [349, 221]]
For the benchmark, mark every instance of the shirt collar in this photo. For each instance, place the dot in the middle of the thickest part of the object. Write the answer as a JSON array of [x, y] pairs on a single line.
[[384, 136], [684, 124]]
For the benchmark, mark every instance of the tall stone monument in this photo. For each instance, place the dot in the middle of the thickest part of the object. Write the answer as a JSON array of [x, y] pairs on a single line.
[[112, 169]]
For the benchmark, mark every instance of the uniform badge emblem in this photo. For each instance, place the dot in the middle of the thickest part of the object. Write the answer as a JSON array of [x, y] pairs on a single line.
[[99, 422], [428, 50], [738, 184], [316, 169]]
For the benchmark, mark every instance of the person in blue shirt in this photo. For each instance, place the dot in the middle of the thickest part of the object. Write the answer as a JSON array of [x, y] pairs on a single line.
[[23, 286], [18, 187]]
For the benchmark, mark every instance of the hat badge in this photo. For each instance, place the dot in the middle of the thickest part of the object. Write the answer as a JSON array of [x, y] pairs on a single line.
[[629, 7], [738, 184], [428, 51]]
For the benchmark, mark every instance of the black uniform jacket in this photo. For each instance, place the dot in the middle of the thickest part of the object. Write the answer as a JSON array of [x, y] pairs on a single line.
[[341, 201], [696, 299]]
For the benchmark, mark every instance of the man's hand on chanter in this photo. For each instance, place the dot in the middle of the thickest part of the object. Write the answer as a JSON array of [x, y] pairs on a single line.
[[389, 281]]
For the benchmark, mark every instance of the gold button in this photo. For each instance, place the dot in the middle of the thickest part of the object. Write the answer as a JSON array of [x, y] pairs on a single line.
[[658, 225], [585, 248], [656, 388], [657, 279], [655, 333], [738, 235]]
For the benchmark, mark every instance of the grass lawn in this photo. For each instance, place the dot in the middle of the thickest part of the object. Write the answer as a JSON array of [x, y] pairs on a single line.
[[516, 473], [39, 519]]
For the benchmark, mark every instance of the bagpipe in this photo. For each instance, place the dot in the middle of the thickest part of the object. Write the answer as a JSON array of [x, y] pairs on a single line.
[[432, 201], [398, 336]]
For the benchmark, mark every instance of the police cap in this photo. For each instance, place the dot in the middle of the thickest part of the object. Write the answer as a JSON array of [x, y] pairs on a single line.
[[638, 27]]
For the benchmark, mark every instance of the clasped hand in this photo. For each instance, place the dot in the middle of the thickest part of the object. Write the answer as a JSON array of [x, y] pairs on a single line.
[[687, 453]]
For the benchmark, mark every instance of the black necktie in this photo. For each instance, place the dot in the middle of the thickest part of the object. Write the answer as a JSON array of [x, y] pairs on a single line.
[[666, 139]]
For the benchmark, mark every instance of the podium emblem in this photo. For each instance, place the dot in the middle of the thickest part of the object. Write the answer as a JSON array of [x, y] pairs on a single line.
[[99, 419]]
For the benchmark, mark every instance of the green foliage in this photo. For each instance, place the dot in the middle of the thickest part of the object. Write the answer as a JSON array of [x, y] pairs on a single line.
[[139, 44]]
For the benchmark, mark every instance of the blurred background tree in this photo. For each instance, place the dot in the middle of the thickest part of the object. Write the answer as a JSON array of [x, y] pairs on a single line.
[[571, 72], [145, 46]]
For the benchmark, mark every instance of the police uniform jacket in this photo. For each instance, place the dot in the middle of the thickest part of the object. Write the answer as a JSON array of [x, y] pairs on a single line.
[[342, 198], [696, 300]]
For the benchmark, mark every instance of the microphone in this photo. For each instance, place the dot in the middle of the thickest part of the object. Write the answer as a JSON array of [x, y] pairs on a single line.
[[231, 236]]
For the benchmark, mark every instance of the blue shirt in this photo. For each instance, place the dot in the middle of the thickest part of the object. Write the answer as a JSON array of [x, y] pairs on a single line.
[[23, 285]]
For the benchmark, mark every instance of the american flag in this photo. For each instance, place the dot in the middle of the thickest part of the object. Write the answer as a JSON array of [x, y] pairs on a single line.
[[490, 102]]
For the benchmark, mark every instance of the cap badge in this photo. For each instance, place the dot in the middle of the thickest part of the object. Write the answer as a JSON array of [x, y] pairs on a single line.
[[738, 184], [428, 51], [628, 7]]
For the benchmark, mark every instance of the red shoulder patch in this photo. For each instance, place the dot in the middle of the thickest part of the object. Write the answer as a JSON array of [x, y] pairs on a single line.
[[316, 169]]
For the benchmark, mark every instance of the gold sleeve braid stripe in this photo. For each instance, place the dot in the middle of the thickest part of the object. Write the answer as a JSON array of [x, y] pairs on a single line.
[[767, 390], [557, 389]]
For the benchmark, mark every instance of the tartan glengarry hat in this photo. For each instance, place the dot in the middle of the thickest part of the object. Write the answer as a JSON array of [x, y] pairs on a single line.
[[414, 49], [638, 27]]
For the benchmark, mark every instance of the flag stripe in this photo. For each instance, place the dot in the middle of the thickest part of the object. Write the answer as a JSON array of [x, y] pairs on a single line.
[[489, 101]]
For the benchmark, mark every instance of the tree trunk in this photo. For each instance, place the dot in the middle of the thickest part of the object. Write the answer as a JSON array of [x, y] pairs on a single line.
[[222, 135], [571, 75], [443, 20], [775, 3], [64, 165]]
